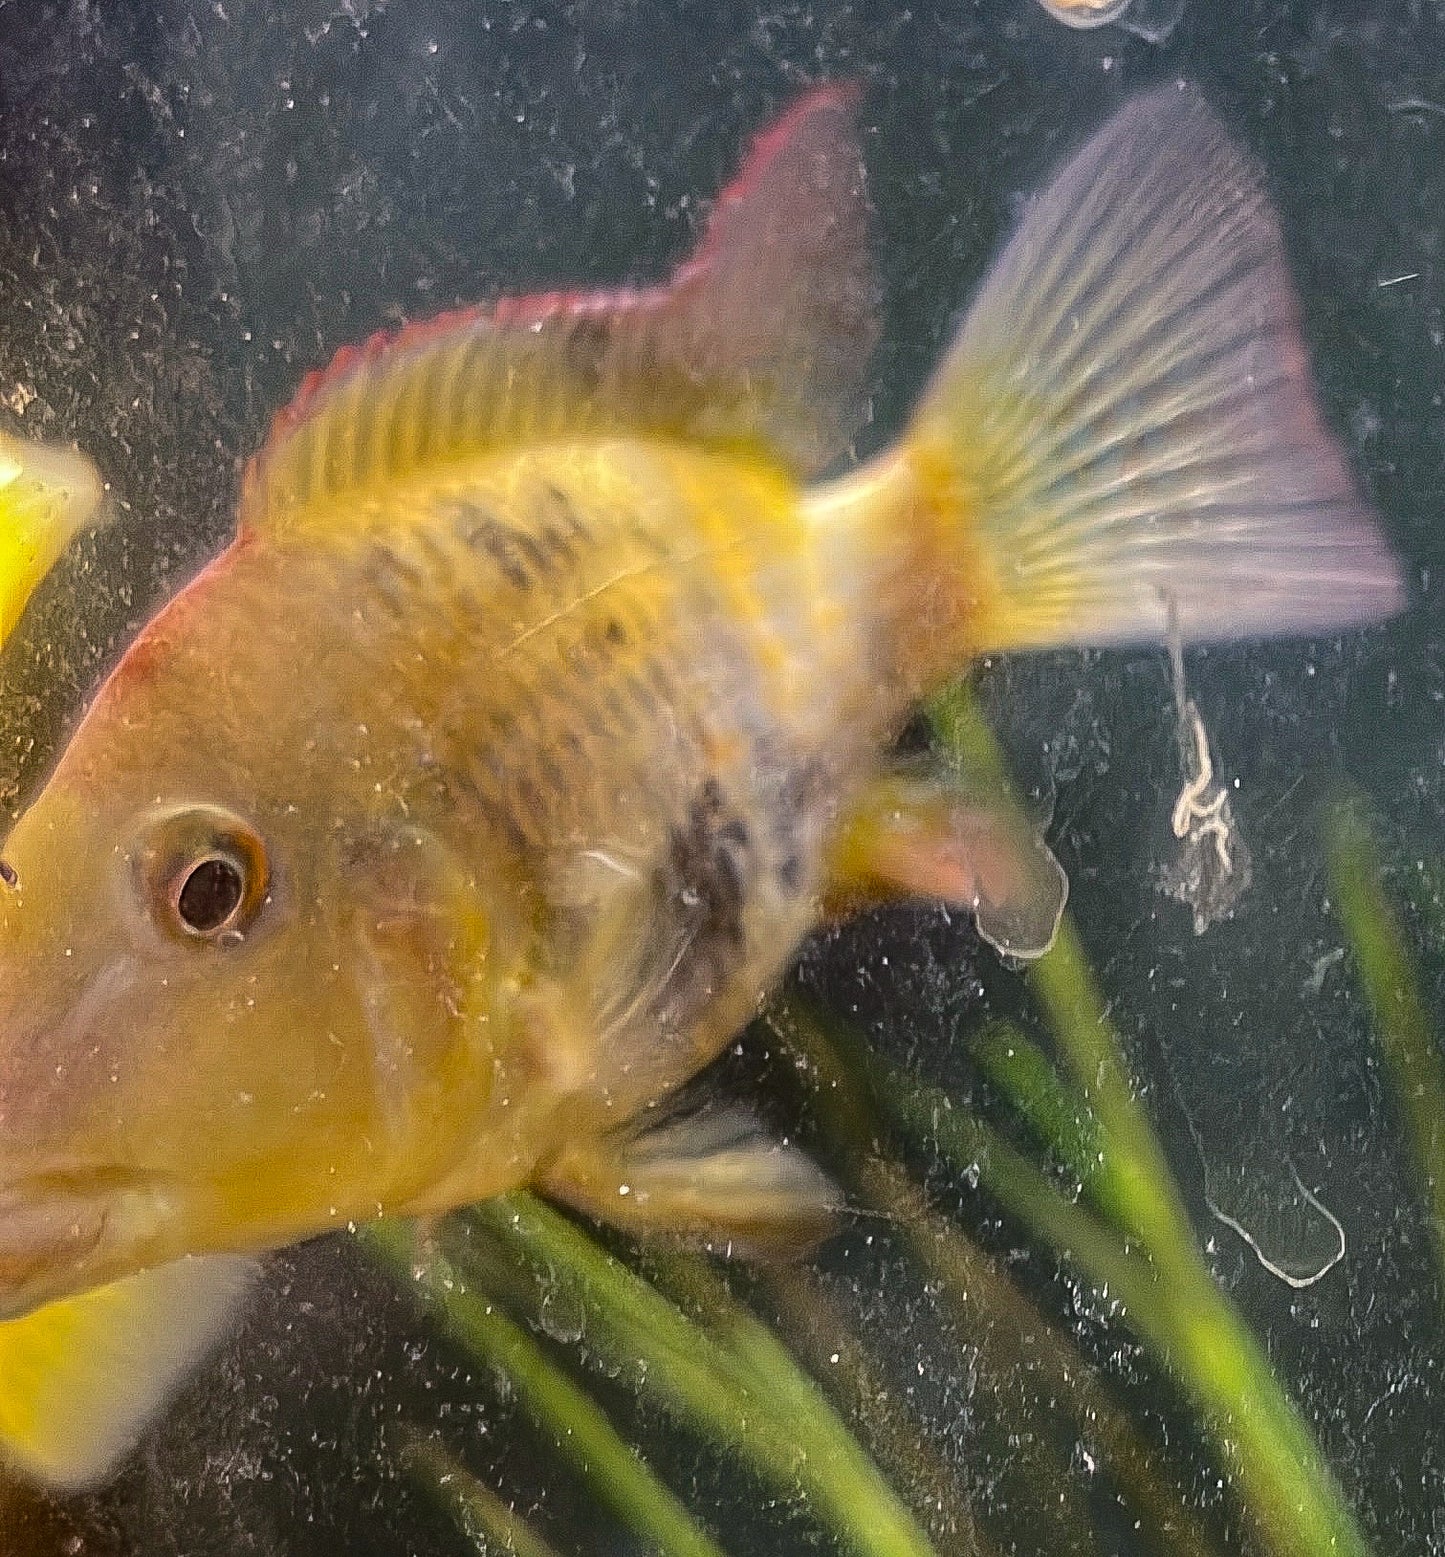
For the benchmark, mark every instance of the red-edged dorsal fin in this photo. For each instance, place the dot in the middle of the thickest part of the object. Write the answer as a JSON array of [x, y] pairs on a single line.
[[760, 339]]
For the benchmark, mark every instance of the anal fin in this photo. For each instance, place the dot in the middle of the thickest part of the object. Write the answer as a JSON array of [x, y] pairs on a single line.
[[713, 1178], [911, 836], [82, 1378]]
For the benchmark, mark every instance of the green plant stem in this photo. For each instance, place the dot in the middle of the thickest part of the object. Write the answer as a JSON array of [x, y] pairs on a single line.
[[752, 1399], [1053, 1111], [764, 1361], [1196, 1332], [839, 1358], [1023, 1190], [1402, 1024], [1286, 1485], [570, 1419], [1194, 1329], [1012, 1339], [1141, 1185], [493, 1528], [1137, 1183]]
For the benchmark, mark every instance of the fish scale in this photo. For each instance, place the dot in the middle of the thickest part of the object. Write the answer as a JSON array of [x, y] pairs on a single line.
[[609, 647], [596, 700]]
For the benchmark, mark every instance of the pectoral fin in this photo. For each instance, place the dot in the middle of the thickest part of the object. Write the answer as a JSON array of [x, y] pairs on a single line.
[[82, 1378], [916, 837], [713, 1178]]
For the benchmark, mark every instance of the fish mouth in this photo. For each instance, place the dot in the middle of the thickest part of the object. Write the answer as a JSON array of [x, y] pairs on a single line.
[[77, 1227]]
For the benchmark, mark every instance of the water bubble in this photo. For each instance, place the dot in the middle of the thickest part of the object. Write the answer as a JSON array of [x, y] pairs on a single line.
[[561, 1316]]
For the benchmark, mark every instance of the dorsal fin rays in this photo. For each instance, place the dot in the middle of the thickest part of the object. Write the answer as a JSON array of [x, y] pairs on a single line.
[[761, 339]]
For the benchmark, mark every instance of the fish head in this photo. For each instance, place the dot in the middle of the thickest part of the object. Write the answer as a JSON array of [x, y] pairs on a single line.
[[235, 970]]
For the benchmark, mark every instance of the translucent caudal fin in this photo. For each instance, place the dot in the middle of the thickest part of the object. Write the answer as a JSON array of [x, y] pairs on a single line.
[[1126, 423], [82, 1378]]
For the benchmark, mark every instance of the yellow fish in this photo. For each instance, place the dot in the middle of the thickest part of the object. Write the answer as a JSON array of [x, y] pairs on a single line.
[[47, 497], [471, 801]]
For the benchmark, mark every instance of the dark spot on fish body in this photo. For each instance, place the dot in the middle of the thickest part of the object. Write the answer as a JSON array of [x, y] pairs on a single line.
[[480, 529], [536, 557], [390, 581], [496, 815], [645, 536], [615, 633], [560, 550], [735, 833], [588, 343], [703, 877], [563, 512]]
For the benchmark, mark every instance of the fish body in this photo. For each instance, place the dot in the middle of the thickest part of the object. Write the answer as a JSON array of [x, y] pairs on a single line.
[[472, 800], [548, 882]]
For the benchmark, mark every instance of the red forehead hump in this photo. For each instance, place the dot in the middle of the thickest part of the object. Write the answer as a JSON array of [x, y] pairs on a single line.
[[176, 620]]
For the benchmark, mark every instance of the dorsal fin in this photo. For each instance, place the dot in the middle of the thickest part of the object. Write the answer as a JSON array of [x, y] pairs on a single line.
[[760, 338]]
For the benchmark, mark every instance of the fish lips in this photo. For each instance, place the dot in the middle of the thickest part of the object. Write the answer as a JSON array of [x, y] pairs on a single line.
[[60, 1232]]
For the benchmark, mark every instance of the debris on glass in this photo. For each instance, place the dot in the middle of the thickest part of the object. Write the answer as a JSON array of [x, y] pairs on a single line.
[[1152, 20], [1212, 870]]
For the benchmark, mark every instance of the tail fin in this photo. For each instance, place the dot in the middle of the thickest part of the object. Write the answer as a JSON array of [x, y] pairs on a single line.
[[1126, 424]]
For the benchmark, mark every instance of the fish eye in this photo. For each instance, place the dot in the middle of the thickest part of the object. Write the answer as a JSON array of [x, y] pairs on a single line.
[[210, 894], [205, 875]]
